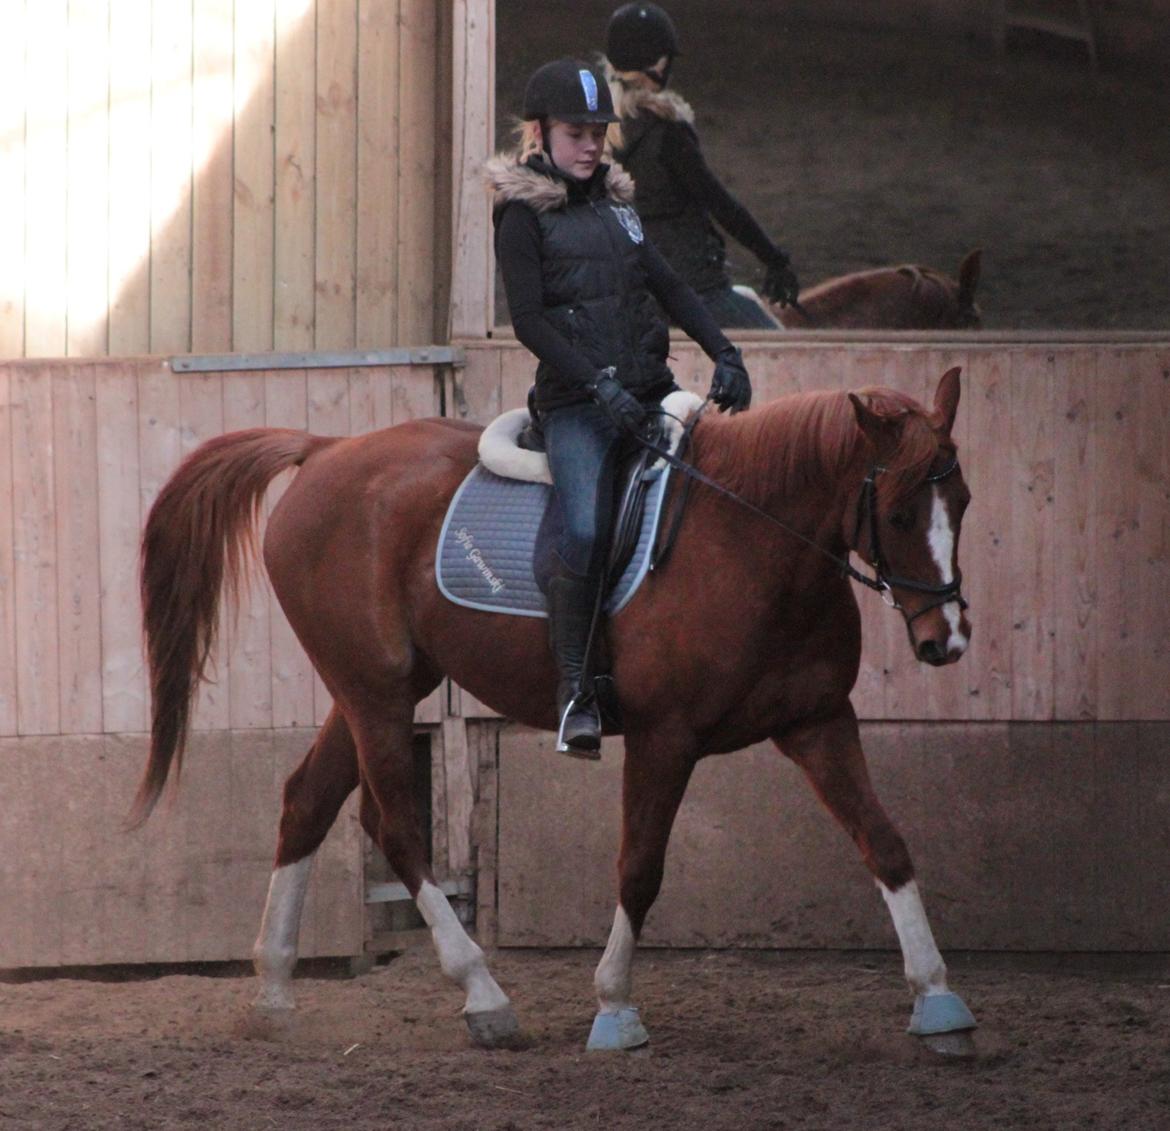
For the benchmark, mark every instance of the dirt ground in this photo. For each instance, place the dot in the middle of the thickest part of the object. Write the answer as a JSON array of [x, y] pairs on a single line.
[[858, 148], [739, 1040]]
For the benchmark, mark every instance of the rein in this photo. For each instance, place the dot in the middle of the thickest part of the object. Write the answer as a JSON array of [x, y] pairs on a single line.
[[880, 583]]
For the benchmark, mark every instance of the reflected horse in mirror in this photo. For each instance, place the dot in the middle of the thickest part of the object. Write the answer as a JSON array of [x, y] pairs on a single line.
[[890, 298], [733, 640]]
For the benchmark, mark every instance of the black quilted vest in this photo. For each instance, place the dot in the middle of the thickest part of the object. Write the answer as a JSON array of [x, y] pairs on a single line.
[[675, 223], [595, 292]]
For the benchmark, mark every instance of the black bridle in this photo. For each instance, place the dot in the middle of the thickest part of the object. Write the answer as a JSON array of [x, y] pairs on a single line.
[[884, 582], [881, 583]]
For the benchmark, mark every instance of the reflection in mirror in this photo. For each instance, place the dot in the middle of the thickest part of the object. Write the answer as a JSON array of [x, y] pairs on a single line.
[[911, 145]]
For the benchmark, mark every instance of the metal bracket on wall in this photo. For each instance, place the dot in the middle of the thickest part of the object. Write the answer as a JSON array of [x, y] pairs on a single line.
[[341, 359]]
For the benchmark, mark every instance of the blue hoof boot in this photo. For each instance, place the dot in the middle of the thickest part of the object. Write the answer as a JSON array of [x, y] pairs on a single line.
[[940, 1013], [613, 1032]]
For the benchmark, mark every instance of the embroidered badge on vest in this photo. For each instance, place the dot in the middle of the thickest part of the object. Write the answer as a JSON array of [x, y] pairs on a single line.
[[630, 220]]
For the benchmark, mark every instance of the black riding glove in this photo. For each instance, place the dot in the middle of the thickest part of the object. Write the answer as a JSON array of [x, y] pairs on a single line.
[[780, 283], [731, 388], [620, 405]]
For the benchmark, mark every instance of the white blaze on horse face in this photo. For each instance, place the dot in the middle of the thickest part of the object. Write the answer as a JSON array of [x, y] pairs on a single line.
[[459, 957], [275, 952], [612, 979], [941, 539], [925, 970]]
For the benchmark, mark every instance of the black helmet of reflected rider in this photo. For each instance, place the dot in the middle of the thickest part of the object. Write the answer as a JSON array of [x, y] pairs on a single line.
[[638, 36]]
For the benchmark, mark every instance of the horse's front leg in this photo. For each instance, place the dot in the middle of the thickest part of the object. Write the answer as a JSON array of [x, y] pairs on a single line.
[[829, 752], [654, 780]]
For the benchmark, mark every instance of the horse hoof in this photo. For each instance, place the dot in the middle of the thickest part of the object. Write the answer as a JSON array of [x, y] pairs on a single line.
[[618, 1031], [953, 1046], [493, 1028], [940, 1013]]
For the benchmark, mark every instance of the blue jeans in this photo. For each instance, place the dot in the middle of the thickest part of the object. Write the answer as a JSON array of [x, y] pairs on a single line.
[[735, 311], [584, 452]]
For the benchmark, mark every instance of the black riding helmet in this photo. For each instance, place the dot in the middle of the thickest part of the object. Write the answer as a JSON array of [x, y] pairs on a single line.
[[638, 36], [569, 91]]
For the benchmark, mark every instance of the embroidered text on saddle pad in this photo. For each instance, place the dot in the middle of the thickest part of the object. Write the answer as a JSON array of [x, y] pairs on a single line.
[[486, 547]]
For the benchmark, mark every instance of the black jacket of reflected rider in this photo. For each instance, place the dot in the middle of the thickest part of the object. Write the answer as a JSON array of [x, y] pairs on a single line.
[[679, 195]]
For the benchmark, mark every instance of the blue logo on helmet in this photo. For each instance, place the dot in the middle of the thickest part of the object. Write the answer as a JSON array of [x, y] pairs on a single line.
[[589, 86]]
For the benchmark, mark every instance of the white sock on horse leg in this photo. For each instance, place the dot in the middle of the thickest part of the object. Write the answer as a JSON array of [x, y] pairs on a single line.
[[275, 951], [925, 970], [613, 978], [460, 958]]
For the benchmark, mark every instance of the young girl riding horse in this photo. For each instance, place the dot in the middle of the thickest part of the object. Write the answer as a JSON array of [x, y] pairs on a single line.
[[678, 194], [582, 282]]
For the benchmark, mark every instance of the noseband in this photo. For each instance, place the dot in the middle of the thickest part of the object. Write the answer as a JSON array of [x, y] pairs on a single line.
[[884, 582]]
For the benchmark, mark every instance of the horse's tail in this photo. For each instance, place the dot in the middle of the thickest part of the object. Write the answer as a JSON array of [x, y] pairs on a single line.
[[199, 536]]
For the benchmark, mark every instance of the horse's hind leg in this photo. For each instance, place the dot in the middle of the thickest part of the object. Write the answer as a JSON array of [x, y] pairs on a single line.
[[383, 737], [313, 796], [829, 752]]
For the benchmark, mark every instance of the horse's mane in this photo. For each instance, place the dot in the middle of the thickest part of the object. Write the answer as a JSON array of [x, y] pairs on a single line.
[[805, 440]]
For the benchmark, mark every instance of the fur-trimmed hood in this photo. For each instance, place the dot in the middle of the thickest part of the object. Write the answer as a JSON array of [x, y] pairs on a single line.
[[633, 102], [509, 180]]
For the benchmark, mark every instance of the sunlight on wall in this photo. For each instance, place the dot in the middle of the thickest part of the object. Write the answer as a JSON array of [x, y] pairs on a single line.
[[109, 112]]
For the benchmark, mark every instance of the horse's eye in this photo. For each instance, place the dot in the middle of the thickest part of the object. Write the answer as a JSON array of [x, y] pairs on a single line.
[[902, 519]]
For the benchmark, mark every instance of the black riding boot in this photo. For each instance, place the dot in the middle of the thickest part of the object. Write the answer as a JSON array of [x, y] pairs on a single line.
[[570, 616]]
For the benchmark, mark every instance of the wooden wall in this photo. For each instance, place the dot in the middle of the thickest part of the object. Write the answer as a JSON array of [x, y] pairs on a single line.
[[207, 177], [1066, 547], [84, 448], [1031, 780]]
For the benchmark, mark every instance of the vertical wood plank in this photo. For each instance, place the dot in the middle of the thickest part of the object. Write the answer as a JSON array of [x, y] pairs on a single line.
[[211, 192], [1115, 495], [1075, 584], [296, 160], [378, 164], [1151, 691], [46, 178], [201, 414], [124, 696], [249, 651], [130, 175], [87, 316], [253, 237], [460, 795], [35, 553], [170, 183], [75, 481], [13, 109], [336, 172], [472, 304], [987, 534], [1032, 498], [285, 400], [416, 173], [8, 684]]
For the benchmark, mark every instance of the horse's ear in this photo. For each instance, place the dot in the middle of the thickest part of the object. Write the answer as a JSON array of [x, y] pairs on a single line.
[[969, 276], [946, 400], [884, 432]]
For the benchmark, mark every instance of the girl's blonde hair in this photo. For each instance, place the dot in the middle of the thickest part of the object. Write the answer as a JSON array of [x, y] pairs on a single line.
[[625, 86], [530, 140]]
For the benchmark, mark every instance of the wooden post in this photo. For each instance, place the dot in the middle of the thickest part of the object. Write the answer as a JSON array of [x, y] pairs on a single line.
[[472, 268]]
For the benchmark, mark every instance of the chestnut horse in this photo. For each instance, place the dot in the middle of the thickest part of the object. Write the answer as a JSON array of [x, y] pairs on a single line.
[[890, 298], [733, 640]]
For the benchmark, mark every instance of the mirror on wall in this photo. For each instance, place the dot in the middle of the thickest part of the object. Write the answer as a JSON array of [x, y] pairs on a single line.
[[860, 147]]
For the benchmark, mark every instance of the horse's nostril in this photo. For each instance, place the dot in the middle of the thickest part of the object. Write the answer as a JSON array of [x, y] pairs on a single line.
[[931, 652]]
